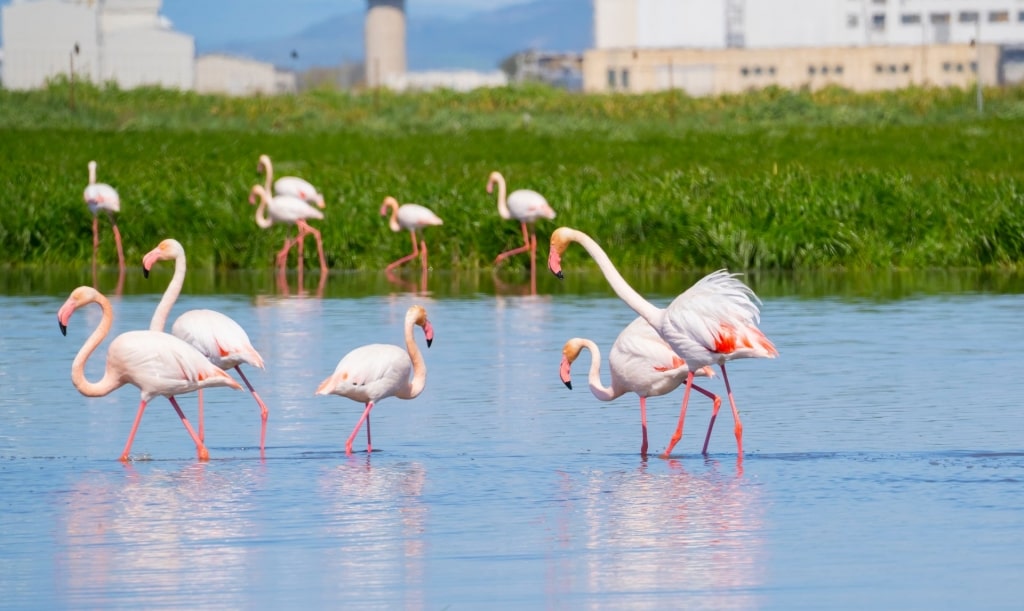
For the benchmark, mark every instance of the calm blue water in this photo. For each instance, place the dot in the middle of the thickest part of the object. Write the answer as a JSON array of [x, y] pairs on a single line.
[[883, 465]]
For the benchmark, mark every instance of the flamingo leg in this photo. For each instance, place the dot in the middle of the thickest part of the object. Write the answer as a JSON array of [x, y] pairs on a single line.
[[515, 251], [131, 435], [301, 239], [200, 448], [409, 257], [264, 412], [306, 229], [682, 417], [423, 255], [643, 425], [533, 264], [365, 416], [282, 255], [117, 240], [738, 429], [202, 433], [714, 414], [95, 240], [369, 446]]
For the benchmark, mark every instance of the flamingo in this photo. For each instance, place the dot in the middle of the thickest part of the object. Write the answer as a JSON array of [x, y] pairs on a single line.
[[158, 364], [712, 322], [217, 336], [290, 185], [527, 207], [101, 197], [372, 372], [640, 362], [290, 211], [413, 218]]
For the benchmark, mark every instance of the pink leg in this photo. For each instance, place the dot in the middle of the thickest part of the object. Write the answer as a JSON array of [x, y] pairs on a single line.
[[282, 255], [714, 414], [682, 417], [738, 430], [117, 239], [515, 251], [264, 412], [131, 435], [533, 264], [643, 425], [369, 445], [95, 240], [410, 257], [307, 229], [202, 433], [366, 415], [200, 448], [301, 239], [423, 255]]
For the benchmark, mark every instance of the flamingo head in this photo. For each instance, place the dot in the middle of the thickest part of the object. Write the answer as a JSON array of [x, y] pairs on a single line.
[[256, 193], [262, 164], [570, 352], [559, 242], [495, 177], [389, 202], [166, 249], [320, 201], [78, 298], [418, 315]]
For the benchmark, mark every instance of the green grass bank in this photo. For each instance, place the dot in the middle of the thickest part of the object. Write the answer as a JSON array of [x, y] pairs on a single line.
[[767, 180]]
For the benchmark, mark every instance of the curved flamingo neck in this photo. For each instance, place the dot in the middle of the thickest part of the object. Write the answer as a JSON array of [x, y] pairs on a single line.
[[92, 172], [393, 219], [597, 388], [650, 312], [269, 169], [503, 211], [109, 382], [419, 366], [163, 309], [261, 211]]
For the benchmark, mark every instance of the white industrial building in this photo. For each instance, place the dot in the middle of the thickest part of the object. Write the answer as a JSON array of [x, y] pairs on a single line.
[[126, 41], [239, 76]]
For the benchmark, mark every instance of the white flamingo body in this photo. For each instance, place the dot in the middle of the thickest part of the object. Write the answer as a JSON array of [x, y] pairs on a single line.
[[640, 362], [101, 197], [289, 210], [412, 218], [373, 372], [712, 322], [221, 340], [156, 363], [289, 185], [527, 206]]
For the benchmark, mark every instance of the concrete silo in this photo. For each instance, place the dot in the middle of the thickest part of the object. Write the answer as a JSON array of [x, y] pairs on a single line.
[[385, 41]]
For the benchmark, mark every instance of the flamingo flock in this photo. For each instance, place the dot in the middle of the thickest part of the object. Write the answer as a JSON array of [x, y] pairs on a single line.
[[710, 323]]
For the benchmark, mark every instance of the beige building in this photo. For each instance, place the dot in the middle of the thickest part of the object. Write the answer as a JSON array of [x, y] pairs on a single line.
[[701, 72], [216, 73]]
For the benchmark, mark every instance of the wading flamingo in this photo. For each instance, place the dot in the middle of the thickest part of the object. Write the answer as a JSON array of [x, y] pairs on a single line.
[[412, 218], [290, 185], [712, 322], [217, 336], [158, 364], [370, 373], [288, 210], [101, 197], [525, 206], [640, 362]]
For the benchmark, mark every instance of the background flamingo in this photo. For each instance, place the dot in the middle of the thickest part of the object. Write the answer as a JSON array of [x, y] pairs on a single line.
[[525, 206], [375, 371], [413, 218], [101, 197], [288, 210], [712, 322], [640, 362], [217, 336], [290, 185], [157, 363]]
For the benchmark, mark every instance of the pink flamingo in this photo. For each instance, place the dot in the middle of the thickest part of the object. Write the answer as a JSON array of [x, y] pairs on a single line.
[[370, 373], [217, 336], [640, 362], [288, 210], [712, 322], [101, 197], [412, 218], [525, 206], [290, 185], [157, 363]]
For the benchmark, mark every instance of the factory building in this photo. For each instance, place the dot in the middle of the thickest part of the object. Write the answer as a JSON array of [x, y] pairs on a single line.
[[384, 40]]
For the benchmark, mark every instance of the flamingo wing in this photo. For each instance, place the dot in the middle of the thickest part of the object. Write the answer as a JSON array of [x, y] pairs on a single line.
[[643, 363], [163, 365], [218, 337], [527, 205], [415, 216], [101, 196], [297, 187], [289, 209], [369, 373]]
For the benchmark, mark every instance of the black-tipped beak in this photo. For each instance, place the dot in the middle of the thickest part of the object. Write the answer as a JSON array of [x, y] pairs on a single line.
[[63, 328], [560, 275], [568, 384], [430, 341], [145, 272]]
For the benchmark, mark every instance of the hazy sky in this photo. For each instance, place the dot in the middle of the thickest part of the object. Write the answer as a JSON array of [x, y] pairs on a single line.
[[217, 21]]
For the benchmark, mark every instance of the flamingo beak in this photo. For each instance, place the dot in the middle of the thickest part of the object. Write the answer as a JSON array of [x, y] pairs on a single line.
[[63, 328]]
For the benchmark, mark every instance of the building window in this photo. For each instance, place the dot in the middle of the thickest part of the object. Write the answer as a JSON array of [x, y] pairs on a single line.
[[879, 68], [906, 68], [852, 21], [878, 21], [974, 67], [771, 70], [939, 18], [757, 70], [998, 16], [892, 68], [611, 78], [967, 16], [839, 69], [811, 70], [910, 19], [744, 71], [959, 67], [1020, 16], [947, 66], [824, 69], [625, 78], [877, 1]]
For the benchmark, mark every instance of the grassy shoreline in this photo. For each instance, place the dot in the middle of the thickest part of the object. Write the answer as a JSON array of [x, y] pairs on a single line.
[[767, 180]]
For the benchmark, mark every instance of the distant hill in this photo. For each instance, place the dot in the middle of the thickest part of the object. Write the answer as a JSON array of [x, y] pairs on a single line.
[[479, 41]]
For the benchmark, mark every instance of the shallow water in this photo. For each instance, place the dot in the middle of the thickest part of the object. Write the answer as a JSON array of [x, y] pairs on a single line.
[[883, 457]]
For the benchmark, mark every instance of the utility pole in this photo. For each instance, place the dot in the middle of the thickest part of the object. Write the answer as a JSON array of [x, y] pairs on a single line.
[[71, 76]]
